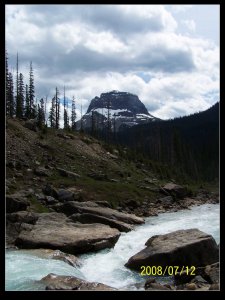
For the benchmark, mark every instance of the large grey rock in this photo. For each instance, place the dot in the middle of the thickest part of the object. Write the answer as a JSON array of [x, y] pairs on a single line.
[[66, 173], [22, 217], [55, 231], [211, 273], [55, 254], [166, 200], [31, 124], [72, 207], [41, 171], [190, 247], [59, 282], [175, 190], [70, 194], [15, 202], [65, 195], [90, 218], [50, 200], [157, 287], [50, 191]]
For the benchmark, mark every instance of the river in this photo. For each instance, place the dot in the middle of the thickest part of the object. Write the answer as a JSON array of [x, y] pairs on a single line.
[[23, 270]]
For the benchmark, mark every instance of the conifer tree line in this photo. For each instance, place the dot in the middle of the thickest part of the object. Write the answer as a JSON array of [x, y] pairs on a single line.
[[21, 101]]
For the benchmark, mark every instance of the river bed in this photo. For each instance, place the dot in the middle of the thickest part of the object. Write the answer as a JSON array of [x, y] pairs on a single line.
[[23, 270]]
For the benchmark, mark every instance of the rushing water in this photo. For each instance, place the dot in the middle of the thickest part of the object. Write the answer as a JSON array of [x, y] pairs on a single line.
[[23, 270]]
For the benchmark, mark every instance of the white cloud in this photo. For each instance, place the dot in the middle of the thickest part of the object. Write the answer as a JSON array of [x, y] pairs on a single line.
[[190, 24], [104, 42], [67, 35], [180, 8]]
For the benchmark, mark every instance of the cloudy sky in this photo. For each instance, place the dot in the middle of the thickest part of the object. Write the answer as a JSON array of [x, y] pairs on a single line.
[[168, 55]]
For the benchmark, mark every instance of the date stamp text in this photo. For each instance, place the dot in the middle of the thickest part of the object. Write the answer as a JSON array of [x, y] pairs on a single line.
[[167, 270]]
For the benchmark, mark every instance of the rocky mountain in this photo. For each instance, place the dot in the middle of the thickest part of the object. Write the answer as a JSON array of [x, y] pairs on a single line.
[[123, 109]]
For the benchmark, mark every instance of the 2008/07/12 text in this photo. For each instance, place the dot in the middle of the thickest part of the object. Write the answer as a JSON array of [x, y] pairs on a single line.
[[167, 270]]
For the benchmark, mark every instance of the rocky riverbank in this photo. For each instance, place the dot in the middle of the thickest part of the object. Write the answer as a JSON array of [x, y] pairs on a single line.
[[66, 192]]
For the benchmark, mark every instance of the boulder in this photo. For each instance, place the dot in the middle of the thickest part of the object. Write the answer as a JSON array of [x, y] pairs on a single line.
[[77, 193], [66, 173], [90, 218], [103, 203], [151, 284], [65, 195], [72, 207], [198, 280], [166, 200], [59, 282], [98, 176], [175, 190], [22, 217], [70, 194], [190, 247], [55, 231], [13, 230], [191, 286], [214, 287], [132, 203], [31, 124], [16, 202], [41, 171], [50, 200], [50, 191], [149, 281], [70, 259], [211, 273], [157, 287]]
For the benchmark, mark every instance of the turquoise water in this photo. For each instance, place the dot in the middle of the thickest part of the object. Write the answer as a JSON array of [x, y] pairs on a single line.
[[23, 270]]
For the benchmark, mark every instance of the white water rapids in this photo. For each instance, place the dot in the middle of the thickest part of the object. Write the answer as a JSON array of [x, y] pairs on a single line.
[[23, 271]]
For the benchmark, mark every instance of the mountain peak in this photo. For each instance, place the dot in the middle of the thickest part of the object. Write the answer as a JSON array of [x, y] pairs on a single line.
[[117, 100], [124, 108]]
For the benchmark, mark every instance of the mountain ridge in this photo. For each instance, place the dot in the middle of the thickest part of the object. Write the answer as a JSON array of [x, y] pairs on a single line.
[[122, 109]]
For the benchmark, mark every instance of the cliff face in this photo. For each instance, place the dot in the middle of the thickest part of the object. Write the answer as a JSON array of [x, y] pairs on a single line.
[[123, 109], [119, 101]]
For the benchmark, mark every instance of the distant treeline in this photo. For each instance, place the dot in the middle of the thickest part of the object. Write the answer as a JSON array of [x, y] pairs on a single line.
[[190, 144]]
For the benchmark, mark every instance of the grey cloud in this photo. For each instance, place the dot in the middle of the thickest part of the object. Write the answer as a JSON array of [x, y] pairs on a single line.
[[86, 60], [166, 60], [51, 54], [151, 107], [102, 17]]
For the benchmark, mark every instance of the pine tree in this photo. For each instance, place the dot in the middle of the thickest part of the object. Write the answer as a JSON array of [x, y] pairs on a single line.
[[92, 123], [17, 81], [65, 116], [52, 114], [27, 102], [20, 97], [73, 115], [7, 84], [46, 100], [35, 109], [41, 114], [81, 120], [57, 108], [32, 108], [108, 119], [10, 104]]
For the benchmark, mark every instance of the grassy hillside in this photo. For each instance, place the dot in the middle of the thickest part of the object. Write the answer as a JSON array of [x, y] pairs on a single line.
[[120, 179], [106, 173]]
